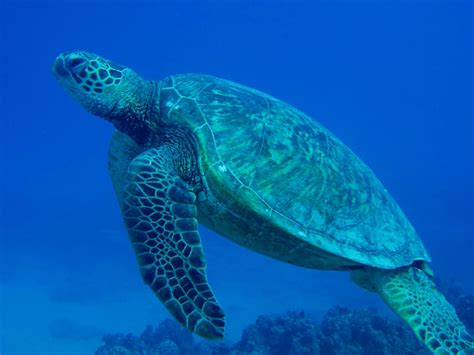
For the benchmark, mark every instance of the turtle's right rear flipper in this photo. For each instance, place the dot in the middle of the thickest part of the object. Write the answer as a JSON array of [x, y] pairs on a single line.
[[411, 293]]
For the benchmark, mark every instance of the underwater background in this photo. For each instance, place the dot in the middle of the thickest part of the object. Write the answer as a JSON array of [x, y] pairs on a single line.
[[393, 80]]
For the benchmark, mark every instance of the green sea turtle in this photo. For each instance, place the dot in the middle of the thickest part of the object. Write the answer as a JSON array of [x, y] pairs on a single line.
[[195, 149]]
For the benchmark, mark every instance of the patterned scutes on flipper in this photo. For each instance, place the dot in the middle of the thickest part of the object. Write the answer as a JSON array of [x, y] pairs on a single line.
[[414, 297], [292, 171], [159, 212]]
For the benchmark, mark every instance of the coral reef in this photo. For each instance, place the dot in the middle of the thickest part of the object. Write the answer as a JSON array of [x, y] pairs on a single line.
[[168, 338], [364, 331], [292, 333], [169, 330], [341, 331], [126, 344]]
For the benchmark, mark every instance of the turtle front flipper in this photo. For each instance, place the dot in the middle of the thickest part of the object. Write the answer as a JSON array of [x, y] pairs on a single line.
[[412, 294], [159, 211]]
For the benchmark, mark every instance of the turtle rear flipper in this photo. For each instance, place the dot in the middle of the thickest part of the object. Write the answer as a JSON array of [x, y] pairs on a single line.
[[161, 217], [411, 293]]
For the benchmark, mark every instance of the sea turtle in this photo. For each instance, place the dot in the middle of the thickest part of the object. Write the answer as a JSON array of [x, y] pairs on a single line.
[[195, 149]]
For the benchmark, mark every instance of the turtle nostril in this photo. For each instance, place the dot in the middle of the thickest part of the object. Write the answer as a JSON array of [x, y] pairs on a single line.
[[74, 63]]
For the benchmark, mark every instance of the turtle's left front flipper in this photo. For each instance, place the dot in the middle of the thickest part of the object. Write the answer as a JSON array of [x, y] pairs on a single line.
[[160, 213], [411, 293]]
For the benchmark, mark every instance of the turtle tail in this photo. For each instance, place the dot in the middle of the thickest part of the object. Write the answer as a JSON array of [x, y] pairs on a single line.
[[411, 294]]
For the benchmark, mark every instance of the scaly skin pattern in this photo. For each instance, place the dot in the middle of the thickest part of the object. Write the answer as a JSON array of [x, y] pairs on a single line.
[[159, 211], [108, 90], [270, 164], [411, 294]]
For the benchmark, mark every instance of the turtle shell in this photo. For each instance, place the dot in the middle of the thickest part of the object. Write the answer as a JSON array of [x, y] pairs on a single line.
[[291, 171]]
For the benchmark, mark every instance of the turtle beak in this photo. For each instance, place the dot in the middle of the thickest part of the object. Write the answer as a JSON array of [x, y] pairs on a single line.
[[67, 63], [59, 69]]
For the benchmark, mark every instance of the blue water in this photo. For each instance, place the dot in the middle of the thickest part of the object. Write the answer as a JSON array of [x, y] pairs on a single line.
[[393, 80]]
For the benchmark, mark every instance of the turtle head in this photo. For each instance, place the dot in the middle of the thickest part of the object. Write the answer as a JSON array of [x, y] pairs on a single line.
[[104, 88]]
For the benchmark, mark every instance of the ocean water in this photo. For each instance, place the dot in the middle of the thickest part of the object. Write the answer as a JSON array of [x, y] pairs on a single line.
[[393, 80]]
